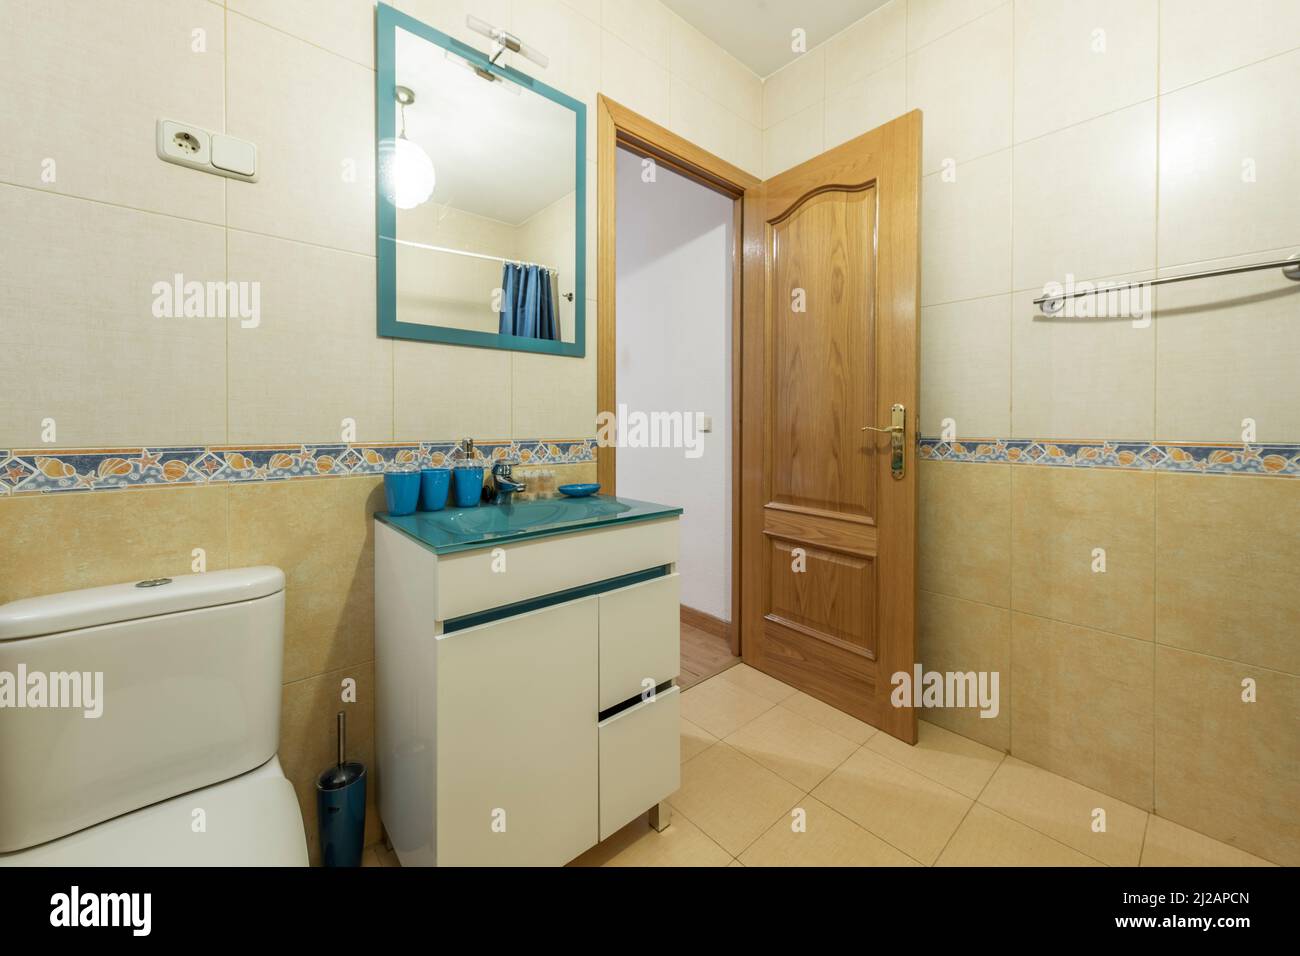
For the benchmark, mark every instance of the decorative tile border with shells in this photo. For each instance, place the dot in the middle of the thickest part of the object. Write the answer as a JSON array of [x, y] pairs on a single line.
[[43, 471], [1279, 460]]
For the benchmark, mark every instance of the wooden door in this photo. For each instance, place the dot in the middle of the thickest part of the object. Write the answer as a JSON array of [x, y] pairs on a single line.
[[830, 346]]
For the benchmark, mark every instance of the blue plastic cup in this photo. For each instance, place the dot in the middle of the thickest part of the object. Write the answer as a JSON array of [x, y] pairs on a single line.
[[402, 492], [435, 483], [469, 485]]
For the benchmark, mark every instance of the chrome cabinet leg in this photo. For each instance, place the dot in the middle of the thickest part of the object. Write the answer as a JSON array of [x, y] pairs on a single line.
[[661, 814]]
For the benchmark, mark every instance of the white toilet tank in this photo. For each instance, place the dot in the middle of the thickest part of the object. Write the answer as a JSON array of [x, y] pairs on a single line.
[[191, 670]]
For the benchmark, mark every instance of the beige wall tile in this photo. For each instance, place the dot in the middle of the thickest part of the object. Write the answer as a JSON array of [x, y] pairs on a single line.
[[633, 79], [554, 396], [1066, 812], [1081, 705], [828, 839], [959, 637], [1059, 516], [796, 86], [313, 360], [82, 86], [345, 27], [1084, 200], [971, 116], [1078, 60], [792, 747], [964, 534], [903, 808], [447, 392], [1223, 766], [731, 798], [966, 232], [966, 367], [308, 742], [987, 838], [1203, 38], [866, 47], [793, 140], [927, 20], [1226, 584], [569, 40], [1077, 378], [449, 16], [1212, 329], [644, 26], [1232, 138], [65, 542], [80, 343], [698, 61], [309, 133], [320, 533], [944, 757], [867, 103], [1168, 844]]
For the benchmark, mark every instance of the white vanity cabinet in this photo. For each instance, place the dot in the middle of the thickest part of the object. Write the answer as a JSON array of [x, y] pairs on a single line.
[[525, 699]]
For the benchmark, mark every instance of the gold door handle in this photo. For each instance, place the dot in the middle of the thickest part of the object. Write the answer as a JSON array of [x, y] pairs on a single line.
[[896, 431]]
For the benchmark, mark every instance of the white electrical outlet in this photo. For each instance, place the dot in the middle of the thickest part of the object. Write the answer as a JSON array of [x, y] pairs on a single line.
[[188, 145]]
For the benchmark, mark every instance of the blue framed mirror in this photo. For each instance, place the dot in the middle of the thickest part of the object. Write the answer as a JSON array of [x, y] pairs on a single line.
[[480, 197]]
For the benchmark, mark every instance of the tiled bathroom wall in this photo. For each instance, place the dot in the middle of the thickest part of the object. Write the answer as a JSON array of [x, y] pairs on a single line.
[[92, 219], [1105, 139]]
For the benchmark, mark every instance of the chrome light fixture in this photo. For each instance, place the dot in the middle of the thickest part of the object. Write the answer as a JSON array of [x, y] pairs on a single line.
[[405, 169], [504, 40]]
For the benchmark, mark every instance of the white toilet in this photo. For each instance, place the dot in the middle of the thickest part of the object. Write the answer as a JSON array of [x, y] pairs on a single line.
[[179, 767]]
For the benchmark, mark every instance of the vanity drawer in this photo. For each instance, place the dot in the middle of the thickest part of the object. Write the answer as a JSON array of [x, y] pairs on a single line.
[[640, 638], [640, 759], [473, 581]]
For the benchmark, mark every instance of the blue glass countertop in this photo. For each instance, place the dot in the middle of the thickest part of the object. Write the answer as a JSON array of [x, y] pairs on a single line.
[[464, 529]]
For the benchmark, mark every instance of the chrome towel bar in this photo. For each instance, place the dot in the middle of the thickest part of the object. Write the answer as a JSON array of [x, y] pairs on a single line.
[[1053, 303]]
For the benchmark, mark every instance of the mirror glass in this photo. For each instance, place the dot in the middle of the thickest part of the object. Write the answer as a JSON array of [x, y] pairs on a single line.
[[481, 188]]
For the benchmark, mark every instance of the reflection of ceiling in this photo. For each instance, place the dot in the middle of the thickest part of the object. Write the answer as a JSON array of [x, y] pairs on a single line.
[[757, 32], [496, 154]]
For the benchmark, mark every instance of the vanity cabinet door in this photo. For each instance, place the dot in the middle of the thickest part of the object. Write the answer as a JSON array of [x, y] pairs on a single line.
[[640, 759], [517, 739], [640, 638]]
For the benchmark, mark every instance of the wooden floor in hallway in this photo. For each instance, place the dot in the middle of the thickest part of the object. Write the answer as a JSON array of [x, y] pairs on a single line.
[[704, 655]]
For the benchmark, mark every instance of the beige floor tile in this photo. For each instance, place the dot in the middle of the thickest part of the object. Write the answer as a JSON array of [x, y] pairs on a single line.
[[1064, 810], [907, 810], [1169, 844], [370, 858], [987, 838], [732, 798], [756, 682], [735, 863], [385, 856], [695, 740], [943, 756], [823, 714], [792, 746], [827, 839], [637, 844], [721, 708]]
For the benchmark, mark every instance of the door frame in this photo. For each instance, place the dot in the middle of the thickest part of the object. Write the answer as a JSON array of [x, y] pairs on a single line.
[[616, 126]]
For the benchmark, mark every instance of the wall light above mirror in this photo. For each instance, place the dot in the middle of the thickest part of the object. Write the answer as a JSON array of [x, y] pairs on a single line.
[[480, 193]]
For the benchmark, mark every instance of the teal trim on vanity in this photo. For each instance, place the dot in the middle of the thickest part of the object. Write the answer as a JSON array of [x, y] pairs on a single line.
[[548, 600], [387, 22], [487, 526]]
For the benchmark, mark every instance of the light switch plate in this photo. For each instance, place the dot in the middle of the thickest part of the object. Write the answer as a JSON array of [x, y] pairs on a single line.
[[234, 155], [188, 145]]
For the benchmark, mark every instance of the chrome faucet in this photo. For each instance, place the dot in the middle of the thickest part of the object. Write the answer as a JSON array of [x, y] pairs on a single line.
[[502, 484]]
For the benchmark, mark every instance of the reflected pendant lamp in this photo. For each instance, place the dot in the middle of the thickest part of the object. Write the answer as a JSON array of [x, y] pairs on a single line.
[[406, 169]]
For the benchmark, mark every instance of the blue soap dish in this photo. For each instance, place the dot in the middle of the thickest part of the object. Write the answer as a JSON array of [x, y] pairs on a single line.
[[578, 491]]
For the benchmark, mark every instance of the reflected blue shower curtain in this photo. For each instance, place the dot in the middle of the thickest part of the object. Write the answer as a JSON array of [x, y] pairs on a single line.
[[528, 302]]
